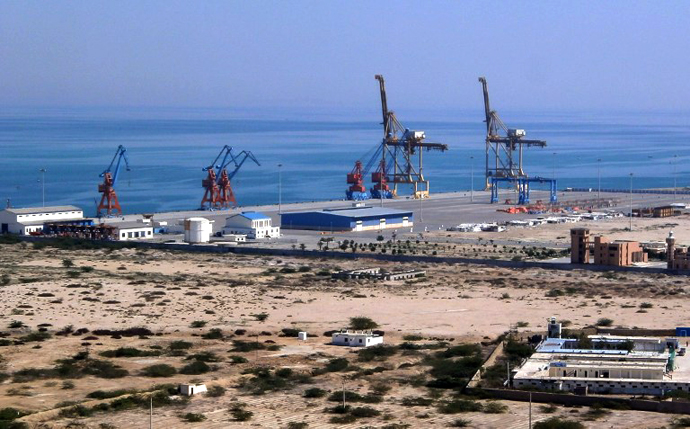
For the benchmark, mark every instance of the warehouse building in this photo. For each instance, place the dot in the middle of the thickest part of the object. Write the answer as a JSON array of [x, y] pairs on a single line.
[[357, 218], [30, 220]]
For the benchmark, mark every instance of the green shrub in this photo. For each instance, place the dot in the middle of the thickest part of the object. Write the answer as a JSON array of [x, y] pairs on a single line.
[[129, 352], [365, 412], [215, 391], [493, 407], [240, 414], [558, 423], [246, 346], [362, 323], [204, 357], [461, 350], [193, 417], [604, 321], [195, 368], [180, 345], [416, 401], [297, 425], [336, 365], [198, 324], [314, 392], [213, 334], [35, 336], [378, 352], [460, 423], [107, 394], [412, 337], [238, 359], [459, 406], [159, 370], [344, 419]]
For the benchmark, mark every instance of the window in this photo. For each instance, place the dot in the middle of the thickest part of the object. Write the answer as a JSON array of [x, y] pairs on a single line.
[[148, 232], [123, 235], [360, 341]]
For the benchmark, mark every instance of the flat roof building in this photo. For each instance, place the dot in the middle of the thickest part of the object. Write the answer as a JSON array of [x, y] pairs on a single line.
[[358, 218], [30, 220], [356, 338]]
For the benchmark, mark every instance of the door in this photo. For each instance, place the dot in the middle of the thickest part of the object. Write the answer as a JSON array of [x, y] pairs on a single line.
[[5, 228]]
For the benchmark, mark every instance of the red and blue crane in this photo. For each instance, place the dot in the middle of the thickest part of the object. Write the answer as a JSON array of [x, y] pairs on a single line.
[[218, 189], [109, 202]]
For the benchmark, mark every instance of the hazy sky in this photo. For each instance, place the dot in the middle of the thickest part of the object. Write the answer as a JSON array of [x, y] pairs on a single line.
[[538, 55]]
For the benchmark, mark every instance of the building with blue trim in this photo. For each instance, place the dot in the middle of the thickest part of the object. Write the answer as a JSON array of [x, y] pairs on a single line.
[[362, 218]]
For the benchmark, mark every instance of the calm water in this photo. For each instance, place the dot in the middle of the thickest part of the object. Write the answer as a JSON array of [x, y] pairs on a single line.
[[167, 150]]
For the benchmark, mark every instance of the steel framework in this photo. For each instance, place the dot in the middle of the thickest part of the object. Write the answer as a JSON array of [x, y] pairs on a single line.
[[218, 192], [523, 185], [398, 149], [502, 143], [109, 201]]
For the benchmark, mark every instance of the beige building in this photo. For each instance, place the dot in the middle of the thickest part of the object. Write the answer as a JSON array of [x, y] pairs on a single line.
[[605, 252]]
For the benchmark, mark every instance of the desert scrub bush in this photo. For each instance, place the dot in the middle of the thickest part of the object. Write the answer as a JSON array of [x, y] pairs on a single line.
[[35, 336], [240, 414], [238, 359], [107, 394], [198, 324], [215, 391], [548, 409], [15, 324], [456, 406], [204, 357], [213, 334], [604, 321], [193, 417], [558, 423], [364, 412], [180, 345], [67, 385], [246, 346], [460, 350], [493, 407], [129, 352], [351, 396], [378, 352], [362, 323], [416, 401], [195, 368], [336, 365], [646, 305], [460, 423], [261, 317], [314, 392], [297, 425], [159, 370], [412, 337]]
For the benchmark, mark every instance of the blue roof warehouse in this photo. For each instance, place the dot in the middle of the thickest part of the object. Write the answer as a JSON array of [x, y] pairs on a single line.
[[347, 219]]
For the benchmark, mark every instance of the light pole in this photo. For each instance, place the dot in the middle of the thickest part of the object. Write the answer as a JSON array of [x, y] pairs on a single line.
[[280, 189], [471, 179], [631, 208], [675, 160], [43, 185], [599, 178], [553, 176]]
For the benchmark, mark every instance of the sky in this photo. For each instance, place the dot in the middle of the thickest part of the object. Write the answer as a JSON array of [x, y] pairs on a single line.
[[323, 55]]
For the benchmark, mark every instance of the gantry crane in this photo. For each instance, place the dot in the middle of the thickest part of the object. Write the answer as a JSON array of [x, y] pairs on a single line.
[[109, 201], [500, 149], [398, 147], [219, 193]]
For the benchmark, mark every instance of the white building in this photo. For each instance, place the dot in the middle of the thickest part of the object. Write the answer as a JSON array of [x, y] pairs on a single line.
[[197, 230], [356, 338], [252, 224], [127, 231], [190, 389], [25, 221]]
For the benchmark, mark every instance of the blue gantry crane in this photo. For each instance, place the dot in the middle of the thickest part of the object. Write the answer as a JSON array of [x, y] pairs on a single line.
[[109, 202], [218, 189]]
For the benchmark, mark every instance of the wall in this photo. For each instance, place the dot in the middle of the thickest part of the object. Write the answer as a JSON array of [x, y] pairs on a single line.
[[570, 400]]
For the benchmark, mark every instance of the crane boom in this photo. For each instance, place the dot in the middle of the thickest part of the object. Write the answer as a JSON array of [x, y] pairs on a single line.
[[219, 192], [109, 201], [501, 144], [384, 103]]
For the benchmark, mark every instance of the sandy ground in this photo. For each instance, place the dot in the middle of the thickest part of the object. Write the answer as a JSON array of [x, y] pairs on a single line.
[[166, 291]]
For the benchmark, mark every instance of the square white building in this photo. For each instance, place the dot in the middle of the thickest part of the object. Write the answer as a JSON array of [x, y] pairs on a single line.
[[24, 221], [356, 338], [252, 224]]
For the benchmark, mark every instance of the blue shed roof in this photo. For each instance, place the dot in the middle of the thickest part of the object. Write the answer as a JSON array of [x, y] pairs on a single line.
[[360, 212], [253, 215]]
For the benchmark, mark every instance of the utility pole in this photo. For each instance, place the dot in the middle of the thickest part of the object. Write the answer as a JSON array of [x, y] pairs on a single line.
[[631, 202], [553, 176], [280, 189], [530, 410], [471, 179], [343, 380], [43, 185], [151, 413], [599, 177], [675, 160]]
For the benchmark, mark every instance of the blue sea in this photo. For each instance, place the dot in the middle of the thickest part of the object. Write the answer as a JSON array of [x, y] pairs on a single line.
[[167, 149]]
